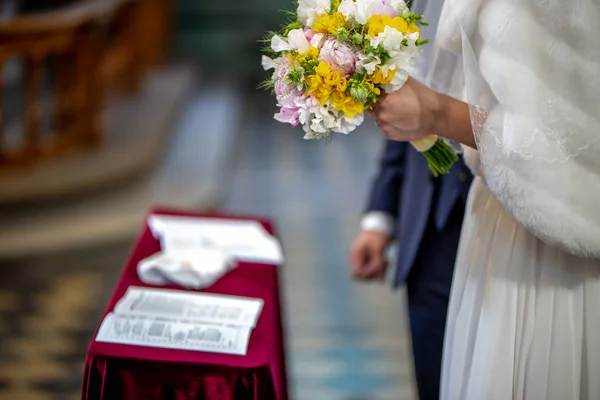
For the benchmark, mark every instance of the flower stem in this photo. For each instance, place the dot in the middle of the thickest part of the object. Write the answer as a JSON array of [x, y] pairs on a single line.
[[440, 158]]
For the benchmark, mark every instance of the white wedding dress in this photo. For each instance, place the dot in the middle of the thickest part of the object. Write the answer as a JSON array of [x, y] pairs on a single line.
[[524, 317], [524, 314]]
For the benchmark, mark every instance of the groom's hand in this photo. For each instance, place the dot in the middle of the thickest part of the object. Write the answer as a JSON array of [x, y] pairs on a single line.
[[368, 261]]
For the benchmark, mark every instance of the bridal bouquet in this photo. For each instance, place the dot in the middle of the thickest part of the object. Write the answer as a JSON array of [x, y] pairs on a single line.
[[335, 59]]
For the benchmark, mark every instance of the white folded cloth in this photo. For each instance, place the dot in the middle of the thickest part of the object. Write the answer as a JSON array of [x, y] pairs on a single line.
[[246, 240], [194, 269]]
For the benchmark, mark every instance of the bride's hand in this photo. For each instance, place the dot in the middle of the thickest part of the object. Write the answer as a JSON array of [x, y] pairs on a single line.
[[416, 111], [410, 113]]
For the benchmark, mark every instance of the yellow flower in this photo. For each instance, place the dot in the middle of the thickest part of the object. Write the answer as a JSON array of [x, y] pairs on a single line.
[[295, 57], [377, 23], [352, 108], [322, 94], [312, 52], [326, 23], [412, 28], [375, 26], [314, 82], [390, 75], [374, 89], [397, 22], [321, 23], [342, 84], [338, 99], [324, 69], [346, 104], [327, 84], [379, 79], [333, 78]]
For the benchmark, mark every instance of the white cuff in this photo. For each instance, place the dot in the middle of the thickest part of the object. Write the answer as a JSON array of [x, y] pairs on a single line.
[[378, 221]]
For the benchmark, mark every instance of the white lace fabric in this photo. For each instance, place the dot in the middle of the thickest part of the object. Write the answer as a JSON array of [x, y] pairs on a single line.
[[530, 73], [537, 67]]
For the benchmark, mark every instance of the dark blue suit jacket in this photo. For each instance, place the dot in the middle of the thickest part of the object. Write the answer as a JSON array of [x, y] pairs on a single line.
[[405, 189]]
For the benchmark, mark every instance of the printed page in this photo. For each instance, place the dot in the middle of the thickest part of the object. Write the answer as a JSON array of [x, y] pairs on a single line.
[[173, 333], [203, 308]]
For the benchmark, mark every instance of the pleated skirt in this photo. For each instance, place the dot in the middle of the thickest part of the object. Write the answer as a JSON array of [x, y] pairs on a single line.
[[524, 317]]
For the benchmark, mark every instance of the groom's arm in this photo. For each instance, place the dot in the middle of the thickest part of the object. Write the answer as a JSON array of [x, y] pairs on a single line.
[[382, 207]]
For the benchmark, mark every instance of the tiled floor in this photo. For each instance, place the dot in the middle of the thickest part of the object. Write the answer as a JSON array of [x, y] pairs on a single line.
[[345, 340], [48, 311]]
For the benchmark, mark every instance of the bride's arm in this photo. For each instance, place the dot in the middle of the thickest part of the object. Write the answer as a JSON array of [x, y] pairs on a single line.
[[454, 121], [416, 111]]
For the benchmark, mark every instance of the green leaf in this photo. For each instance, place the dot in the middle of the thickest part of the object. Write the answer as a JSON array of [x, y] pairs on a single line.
[[296, 76], [268, 84], [291, 26]]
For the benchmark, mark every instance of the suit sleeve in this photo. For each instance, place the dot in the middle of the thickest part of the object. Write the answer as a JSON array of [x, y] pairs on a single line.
[[385, 190]]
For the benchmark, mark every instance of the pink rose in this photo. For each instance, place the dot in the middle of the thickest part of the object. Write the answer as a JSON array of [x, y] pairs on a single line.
[[341, 57], [290, 100], [288, 116], [281, 87], [290, 97], [282, 68]]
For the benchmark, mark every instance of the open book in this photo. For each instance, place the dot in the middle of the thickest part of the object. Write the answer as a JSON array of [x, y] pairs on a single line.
[[182, 320]]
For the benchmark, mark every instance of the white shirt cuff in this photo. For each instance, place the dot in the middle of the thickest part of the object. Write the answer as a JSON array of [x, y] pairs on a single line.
[[378, 221]]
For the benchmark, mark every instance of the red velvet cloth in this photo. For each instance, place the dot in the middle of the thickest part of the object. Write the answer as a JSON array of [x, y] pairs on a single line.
[[123, 372]]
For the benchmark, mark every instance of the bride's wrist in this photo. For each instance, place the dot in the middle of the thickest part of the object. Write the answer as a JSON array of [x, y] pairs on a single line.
[[453, 120]]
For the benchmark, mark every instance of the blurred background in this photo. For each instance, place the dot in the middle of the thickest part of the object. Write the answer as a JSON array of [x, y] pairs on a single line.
[[110, 107]]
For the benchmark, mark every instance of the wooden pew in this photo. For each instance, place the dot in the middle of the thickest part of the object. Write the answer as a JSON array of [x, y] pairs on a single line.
[[90, 48]]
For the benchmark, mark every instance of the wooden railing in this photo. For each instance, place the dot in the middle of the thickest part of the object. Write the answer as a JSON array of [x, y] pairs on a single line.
[[71, 59]]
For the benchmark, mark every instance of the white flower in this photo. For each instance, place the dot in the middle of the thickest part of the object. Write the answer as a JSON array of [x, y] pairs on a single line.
[[267, 63], [318, 40], [309, 135], [322, 121], [367, 62], [411, 39], [348, 8], [359, 10], [391, 39], [307, 114], [399, 5], [400, 60], [362, 10], [279, 44], [317, 125], [319, 121], [309, 10], [296, 40], [399, 78], [347, 124]]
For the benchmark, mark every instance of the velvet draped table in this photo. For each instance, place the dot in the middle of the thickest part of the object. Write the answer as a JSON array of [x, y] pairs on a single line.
[[123, 372]]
